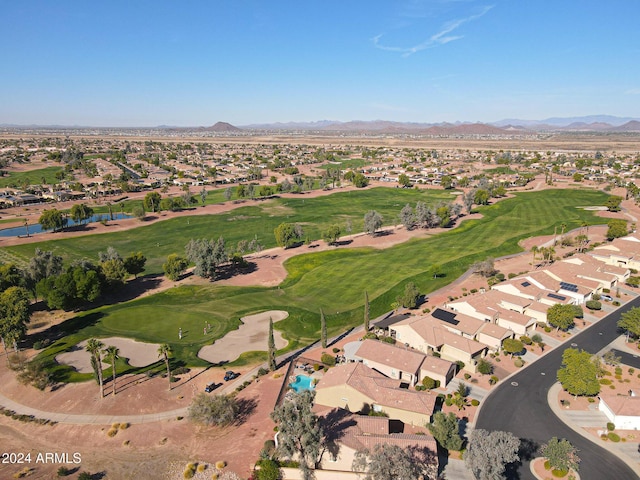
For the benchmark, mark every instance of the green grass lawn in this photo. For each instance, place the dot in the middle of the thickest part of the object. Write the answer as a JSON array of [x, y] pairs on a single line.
[[32, 177], [259, 218], [334, 280]]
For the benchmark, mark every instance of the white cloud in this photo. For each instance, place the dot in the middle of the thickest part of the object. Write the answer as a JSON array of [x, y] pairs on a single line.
[[442, 37]]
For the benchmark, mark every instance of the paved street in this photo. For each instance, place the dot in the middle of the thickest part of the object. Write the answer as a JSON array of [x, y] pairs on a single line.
[[520, 406]]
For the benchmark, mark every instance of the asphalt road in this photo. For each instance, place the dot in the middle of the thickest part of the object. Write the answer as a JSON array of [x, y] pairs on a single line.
[[520, 406]]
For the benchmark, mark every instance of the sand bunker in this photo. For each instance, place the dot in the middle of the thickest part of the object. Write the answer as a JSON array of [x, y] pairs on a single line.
[[594, 208], [139, 354], [250, 336]]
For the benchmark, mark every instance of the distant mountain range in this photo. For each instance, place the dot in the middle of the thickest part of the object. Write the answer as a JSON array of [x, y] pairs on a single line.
[[596, 123], [511, 126]]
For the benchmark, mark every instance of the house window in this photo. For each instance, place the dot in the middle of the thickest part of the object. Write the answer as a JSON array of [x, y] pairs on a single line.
[[376, 408]]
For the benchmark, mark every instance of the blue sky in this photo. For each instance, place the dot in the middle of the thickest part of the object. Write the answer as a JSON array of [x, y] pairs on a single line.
[[190, 62]]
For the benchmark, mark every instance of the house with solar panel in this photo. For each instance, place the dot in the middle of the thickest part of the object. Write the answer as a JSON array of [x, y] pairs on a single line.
[[502, 309]]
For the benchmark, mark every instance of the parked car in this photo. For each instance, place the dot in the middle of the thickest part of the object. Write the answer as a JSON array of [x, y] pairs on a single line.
[[211, 387], [606, 298], [230, 375]]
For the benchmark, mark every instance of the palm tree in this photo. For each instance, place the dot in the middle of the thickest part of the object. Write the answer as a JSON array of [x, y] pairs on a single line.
[[534, 250], [94, 347], [113, 353], [165, 351]]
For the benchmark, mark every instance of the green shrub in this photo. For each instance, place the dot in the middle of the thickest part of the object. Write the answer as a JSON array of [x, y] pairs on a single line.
[[370, 336], [605, 381], [493, 380], [618, 371], [526, 340], [336, 349], [328, 360], [615, 303], [63, 472], [467, 376], [610, 426], [85, 476], [594, 305], [428, 383], [591, 400], [559, 473], [316, 367], [390, 340], [475, 402], [181, 371], [614, 437], [631, 370], [448, 402], [40, 344], [547, 329], [518, 362]]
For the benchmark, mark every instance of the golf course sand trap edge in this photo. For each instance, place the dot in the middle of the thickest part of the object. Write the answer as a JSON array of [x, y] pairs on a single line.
[[139, 354], [250, 336]]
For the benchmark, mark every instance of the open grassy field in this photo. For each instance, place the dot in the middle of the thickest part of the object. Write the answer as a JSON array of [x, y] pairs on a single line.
[[259, 218], [31, 177], [336, 280]]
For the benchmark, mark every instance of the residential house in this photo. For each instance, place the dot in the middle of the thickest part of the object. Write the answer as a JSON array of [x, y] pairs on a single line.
[[358, 388], [347, 434], [623, 252], [426, 334], [621, 410], [403, 363]]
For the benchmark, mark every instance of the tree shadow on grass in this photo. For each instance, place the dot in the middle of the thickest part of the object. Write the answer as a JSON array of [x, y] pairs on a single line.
[[68, 327]]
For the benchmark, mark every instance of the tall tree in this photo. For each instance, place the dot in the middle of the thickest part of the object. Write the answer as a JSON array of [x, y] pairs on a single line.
[[579, 374], [14, 316], [52, 220], [630, 321], [113, 353], [388, 461], [561, 454], [372, 222], [207, 255], [164, 351], [445, 429], [134, 263], [488, 453], [81, 213], [407, 217], [174, 266], [323, 330], [561, 316], [152, 201], [43, 264], [366, 311], [272, 347], [286, 235], [300, 433], [94, 347]]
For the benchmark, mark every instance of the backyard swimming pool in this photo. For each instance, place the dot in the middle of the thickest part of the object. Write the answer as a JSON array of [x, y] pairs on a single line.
[[303, 382]]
